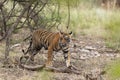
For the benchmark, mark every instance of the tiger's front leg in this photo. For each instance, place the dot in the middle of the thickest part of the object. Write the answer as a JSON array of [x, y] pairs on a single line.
[[67, 58], [49, 57]]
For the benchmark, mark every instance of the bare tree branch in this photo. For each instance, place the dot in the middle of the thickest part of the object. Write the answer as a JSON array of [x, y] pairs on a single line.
[[53, 69], [1, 3], [11, 11], [68, 14], [5, 20], [41, 8], [7, 49], [3, 31]]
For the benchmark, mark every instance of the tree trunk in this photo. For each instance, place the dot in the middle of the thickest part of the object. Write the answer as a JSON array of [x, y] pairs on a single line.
[[10, 30]]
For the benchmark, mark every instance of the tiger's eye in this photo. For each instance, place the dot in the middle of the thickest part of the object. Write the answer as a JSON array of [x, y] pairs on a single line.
[[61, 38], [67, 38]]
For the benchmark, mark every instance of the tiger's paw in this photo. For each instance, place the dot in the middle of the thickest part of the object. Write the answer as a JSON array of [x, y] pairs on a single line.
[[68, 63]]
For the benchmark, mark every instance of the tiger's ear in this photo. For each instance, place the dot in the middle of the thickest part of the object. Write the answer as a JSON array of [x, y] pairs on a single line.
[[70, 33], [61, 33]]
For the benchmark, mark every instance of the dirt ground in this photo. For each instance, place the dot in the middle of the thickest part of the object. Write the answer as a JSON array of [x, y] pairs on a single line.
[[88, 54]]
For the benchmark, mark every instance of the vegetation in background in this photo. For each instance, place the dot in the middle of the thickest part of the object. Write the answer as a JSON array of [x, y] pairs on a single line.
[[113, 28], [94, 21], [87, 18], [113, 70], [43, 75]]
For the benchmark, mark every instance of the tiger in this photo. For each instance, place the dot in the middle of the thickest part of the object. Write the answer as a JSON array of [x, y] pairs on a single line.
[[51, 41]]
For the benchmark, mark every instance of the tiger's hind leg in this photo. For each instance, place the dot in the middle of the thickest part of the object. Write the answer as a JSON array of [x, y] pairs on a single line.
[[31, 54], [34, 52]]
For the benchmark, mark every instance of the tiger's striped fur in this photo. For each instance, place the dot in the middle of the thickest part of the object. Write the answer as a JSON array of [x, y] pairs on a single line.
[[51, 42]]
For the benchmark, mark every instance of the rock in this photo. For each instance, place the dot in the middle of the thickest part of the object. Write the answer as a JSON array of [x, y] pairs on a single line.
[[95, 53], [85, 50], [15, 45], [75, 55], [89, 48], [83, 57], [117, 55], [110, 55], [71, 50], [90, 56], [107, 54]]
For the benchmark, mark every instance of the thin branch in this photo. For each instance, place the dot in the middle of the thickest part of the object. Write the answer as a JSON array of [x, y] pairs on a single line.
[[4, 23], [29, 15], [38, 67], [57, 19], [11, 11], [68, 14], [1, 3], [53, 69], [41, 8]]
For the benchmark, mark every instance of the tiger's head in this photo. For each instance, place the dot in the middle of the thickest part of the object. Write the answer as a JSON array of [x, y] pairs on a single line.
[[64, 40]]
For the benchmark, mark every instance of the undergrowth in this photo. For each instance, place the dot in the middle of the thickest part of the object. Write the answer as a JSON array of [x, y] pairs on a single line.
[[96, 22], [113, 70], [113, 28]]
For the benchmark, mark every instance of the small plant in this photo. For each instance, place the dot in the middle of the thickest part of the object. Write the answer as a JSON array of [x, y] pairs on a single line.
[[113, 71], [43, 75]]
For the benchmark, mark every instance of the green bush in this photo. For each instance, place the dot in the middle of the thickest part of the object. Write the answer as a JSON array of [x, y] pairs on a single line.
[[113, 30], [113, 71], [88, 19]]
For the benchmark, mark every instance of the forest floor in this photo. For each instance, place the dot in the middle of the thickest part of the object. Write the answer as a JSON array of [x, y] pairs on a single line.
[[88, 54]]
